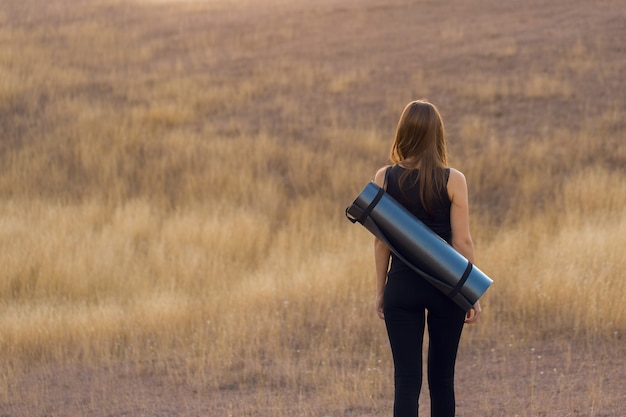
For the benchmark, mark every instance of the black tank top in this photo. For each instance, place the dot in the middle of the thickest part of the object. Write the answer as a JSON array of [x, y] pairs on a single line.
[[438, 220]]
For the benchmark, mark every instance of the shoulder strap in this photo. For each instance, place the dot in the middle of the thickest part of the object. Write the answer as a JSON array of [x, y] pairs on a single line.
[[386, 177]]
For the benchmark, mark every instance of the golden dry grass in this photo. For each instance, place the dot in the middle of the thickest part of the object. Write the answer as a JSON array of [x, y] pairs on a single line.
[[172, 186]]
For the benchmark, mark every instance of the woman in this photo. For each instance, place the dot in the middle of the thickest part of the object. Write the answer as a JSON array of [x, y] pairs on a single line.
[[421, 180]]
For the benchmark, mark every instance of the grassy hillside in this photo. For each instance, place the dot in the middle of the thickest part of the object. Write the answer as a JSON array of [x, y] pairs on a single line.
[[173, 177]]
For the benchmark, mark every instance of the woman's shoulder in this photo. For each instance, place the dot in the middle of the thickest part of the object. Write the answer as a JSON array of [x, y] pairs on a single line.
[[456, 175], [457, 183], [379, 178]]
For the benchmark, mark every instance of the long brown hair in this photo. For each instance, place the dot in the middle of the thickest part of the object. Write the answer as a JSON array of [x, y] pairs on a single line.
[[420, 137]]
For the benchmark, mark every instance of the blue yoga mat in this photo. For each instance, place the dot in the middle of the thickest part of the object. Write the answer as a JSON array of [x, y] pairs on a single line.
[[418, 246]]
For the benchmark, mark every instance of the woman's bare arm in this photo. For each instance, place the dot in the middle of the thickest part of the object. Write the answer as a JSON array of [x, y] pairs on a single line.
[[382, 255], [459, 222]]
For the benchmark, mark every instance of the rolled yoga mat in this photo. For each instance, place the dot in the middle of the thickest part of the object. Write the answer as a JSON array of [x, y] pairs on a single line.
[[418, 246]]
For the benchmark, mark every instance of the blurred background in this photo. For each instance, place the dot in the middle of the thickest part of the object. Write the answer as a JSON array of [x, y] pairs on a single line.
[[173, 177]]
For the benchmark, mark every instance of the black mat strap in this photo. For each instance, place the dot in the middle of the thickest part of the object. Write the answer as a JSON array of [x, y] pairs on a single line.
[[365, 214], [461, 282]]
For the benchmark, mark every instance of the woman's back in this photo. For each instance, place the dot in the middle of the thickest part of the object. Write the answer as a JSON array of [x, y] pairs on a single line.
[[403, 185], [406, 192]]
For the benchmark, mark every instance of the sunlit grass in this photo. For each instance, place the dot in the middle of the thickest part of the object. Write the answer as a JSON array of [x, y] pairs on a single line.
[[158, 212]]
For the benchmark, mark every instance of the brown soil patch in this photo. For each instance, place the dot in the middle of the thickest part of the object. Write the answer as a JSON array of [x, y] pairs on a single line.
[[558, 378]]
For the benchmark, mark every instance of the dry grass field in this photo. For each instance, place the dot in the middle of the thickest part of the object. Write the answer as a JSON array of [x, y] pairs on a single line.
[[173, 176]]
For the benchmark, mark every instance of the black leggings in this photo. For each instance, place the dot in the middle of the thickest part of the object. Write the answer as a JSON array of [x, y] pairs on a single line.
[[407, 298]]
